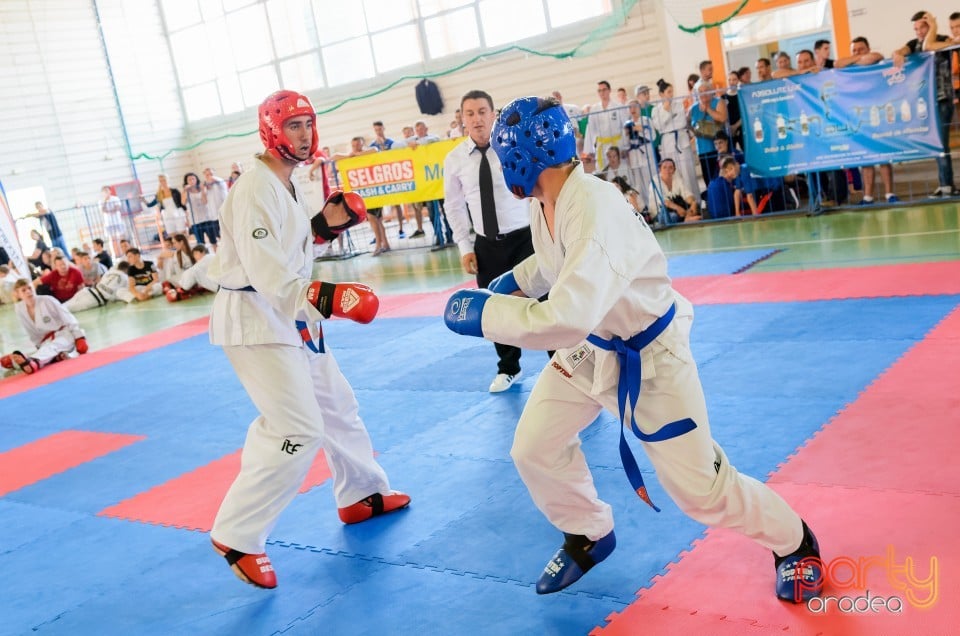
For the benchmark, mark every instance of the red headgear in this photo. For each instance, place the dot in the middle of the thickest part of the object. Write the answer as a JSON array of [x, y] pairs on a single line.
[[277, 109]]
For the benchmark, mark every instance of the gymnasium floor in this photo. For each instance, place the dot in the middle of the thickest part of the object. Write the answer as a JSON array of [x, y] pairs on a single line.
[[828, 349]]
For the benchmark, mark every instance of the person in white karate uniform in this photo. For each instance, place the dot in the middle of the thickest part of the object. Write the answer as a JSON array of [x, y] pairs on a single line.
[[670, 120], [266, 316], [49, 326], [109, 288], [619, 327]]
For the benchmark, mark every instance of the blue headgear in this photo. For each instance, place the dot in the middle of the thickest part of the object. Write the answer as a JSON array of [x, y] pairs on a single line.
[[530, 135]]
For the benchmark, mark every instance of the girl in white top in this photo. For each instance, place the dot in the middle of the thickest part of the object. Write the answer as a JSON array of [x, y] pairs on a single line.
[[670, 121]]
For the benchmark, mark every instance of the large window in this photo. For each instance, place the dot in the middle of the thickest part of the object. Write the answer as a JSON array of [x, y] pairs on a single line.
[[229, 53]]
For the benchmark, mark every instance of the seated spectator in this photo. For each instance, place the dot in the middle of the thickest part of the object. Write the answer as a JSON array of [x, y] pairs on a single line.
[[8, 276], [103, 292], [40, 248], [143, 279], [614, 167], [52, 329], [92, 270], [670, 197], [174, 260], [101, 254], [195, 279], [64, 280], [727, 195], [633, 198]]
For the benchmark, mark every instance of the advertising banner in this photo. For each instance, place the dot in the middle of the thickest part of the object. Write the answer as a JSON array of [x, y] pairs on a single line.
[[9, 240], [857, 116], [405, 175]]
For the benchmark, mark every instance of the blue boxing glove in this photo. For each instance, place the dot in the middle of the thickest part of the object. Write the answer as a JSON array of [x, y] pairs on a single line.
[[465, 310], [505, 283]]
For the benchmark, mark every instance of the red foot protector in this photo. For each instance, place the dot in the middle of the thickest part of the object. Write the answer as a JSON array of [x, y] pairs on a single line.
[[374, 505], [255, 569], [54, 454], [191, 501]]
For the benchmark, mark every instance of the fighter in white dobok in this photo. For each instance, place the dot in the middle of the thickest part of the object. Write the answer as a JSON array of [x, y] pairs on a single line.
[[52, 329], [115, 280], [622, 335], [266, 318]]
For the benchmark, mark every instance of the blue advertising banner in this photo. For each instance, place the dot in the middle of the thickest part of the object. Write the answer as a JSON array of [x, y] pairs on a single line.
[[841, 118]]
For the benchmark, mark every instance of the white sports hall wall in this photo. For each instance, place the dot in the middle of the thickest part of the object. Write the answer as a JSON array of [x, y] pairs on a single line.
[[60, 123]]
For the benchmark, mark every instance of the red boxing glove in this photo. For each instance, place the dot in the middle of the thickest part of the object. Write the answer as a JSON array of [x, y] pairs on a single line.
[[81, 345], [347, 300]]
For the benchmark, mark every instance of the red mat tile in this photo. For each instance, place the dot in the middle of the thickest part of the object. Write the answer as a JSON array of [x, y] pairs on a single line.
[[191, 501], [914, 279], [102, 357], [419, 305], [54, 454]]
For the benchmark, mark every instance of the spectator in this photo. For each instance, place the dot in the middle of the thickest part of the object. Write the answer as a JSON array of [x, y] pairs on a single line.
[[604, 126], [456, 127], [764, 71], [805, 64], [732, 102], [443, 235], [52, 329], [383, 143], [724, 196], [64, 280], [622, 96], [103, 292], [196, 280], [112, 210], [707, 118], [633, 198], [744, 75], [374, 215], [8, 276], [670, 197], [101, 254], [144, 280], [174, 260], [216, 189], [49, 223], [689, 98], [638, 139], [861, 55], [173, 215], [39, 249], [670, 120], [201, 219], [925, 28], [91, 269], [236, 169], [821, 52], [614, 167]]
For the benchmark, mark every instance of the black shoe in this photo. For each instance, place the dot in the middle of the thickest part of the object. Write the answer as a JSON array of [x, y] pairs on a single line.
[[417, 233]]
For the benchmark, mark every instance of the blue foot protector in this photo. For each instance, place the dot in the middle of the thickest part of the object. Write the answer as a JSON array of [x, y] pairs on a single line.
[[574, 558], [800, 573]]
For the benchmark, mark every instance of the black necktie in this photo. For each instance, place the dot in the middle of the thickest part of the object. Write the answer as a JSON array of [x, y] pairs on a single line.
[[488, 206]]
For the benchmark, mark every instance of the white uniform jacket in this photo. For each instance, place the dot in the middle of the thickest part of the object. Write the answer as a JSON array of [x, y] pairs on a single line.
[[606, 275], [49, 316], [267, 244]]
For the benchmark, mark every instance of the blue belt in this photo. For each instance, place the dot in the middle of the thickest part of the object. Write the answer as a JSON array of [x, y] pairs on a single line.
[[628, 392], [316, 347]]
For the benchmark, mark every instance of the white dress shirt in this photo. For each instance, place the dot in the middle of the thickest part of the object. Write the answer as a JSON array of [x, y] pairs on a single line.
[[461, 191]]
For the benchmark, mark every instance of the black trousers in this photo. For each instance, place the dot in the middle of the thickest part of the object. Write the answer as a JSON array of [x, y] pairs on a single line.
[[495, 257]]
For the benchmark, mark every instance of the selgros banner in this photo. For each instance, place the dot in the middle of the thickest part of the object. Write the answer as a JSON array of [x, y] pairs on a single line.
[[856, 116], [405, 175]]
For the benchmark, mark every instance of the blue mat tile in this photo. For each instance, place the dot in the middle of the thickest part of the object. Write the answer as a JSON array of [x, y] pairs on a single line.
[[713, 264]]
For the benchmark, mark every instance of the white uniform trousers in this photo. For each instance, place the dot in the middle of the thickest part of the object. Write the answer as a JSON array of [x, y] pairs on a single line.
[[306, 405], [547, 453], [86, 298], [63, 341]]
